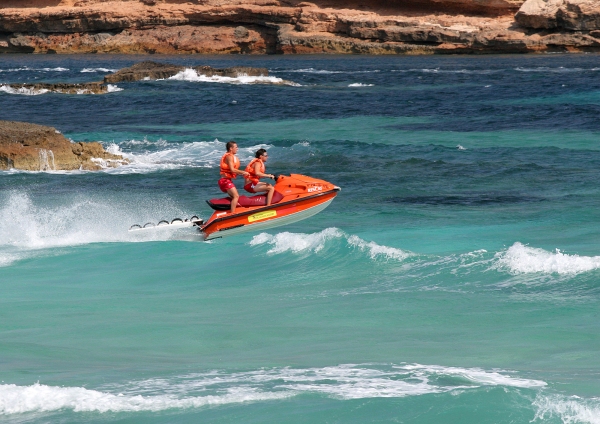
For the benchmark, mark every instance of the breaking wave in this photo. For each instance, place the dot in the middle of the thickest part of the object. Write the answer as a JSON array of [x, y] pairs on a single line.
[[341, 382], [299, 242], [192, 76], [23, 90], [522, 259], [26, 68], [84, 70], [150, 156], [569, 410], [26, 91], [111, 88], [359, 84], [27, 227]]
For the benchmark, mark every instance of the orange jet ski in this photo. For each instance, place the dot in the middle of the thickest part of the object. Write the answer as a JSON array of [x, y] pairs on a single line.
[[296, 197]]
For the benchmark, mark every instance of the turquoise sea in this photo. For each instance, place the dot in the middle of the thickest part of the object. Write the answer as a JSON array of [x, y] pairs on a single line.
[[455, 278]]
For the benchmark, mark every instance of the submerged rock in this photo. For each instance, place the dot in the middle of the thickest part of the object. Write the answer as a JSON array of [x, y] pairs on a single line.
[[35, 147], [154, 70]]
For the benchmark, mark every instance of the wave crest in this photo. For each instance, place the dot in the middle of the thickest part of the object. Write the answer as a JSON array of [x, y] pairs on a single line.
[[300, 242], [346, 381], [192, 76], [569, 409], [522, 259]]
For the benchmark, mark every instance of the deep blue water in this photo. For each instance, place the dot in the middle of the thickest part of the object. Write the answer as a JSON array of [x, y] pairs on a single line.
[[455, 278]]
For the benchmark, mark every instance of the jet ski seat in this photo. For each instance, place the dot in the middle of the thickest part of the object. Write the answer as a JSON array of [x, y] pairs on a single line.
[[224, 203]]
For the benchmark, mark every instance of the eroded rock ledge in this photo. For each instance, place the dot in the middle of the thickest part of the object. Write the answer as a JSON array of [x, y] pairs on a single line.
[[154, 70], [291, 26], [34, 147], [64, 88]]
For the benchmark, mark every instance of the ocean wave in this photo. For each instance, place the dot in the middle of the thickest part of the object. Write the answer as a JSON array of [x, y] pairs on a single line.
[[41, 398], [111, 88], [569, 410], [84, 70], [192, 76], [26, 68], [201, 154], [26, 91], [299, 242], [450, 71], [23, 90], [322, 71], [343, 382], [359, 84], [559, 70], [522, 259], [27, 228]]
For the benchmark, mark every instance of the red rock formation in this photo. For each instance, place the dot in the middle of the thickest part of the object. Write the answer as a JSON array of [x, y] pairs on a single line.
[[38, 148], [290, 26]]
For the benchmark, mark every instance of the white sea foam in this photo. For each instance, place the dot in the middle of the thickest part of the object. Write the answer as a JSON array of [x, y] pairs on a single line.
[[312, 71], [26, 68], [558, 70], [347, 381], [570, 410], [299, 242], [377, 251], [192, 76], [98, 70], [26, 227], [358, 84], [522, 259], [41, 398], [322, 71], [459, 147], [35, 92], [111, 88], [23, 90], [204, 154]]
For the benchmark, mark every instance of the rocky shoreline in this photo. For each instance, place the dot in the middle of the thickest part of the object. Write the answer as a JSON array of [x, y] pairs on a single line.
[[33, 147], [291, 27]]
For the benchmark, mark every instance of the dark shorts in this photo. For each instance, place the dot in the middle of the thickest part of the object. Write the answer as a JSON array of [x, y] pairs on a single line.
[[225, 184], [250, 187]]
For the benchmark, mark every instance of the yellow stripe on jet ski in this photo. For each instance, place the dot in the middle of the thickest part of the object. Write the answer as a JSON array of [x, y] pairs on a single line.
[[262, 215]]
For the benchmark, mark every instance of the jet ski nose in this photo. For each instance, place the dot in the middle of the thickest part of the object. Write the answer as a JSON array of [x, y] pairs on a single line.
[[336, 188]]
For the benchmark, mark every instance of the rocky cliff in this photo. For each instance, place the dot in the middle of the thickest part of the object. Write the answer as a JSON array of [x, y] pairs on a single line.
[[290, 26], [39, 148]]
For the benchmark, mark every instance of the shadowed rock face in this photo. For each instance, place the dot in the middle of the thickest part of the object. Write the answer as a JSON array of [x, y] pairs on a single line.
[[154, 70], [34, 147]]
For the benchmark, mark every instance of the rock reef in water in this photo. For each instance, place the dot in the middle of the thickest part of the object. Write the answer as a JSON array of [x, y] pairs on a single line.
[[292, 26], [65, 88], [154, 70], [34, 147]]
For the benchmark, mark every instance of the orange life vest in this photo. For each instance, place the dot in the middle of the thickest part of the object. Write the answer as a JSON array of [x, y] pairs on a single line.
[[250, 170], [225, 171]]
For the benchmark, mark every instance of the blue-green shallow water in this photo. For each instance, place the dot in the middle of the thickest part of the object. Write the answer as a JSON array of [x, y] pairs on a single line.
[[430, 291]]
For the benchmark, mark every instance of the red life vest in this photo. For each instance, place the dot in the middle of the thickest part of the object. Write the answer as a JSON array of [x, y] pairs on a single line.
[[225, 171], [250, 170]]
